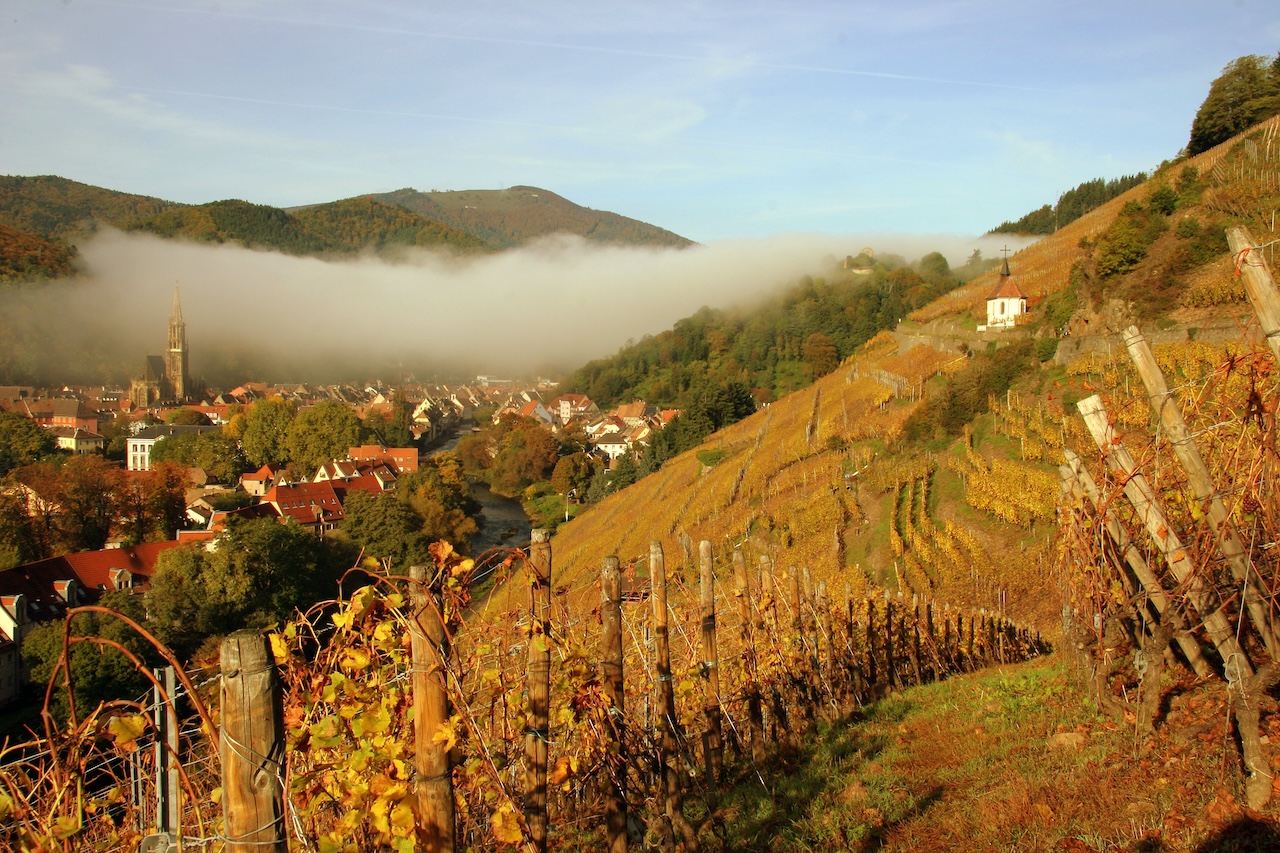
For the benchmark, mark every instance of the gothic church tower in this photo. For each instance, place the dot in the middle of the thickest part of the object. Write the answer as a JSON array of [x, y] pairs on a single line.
[[175, 357]]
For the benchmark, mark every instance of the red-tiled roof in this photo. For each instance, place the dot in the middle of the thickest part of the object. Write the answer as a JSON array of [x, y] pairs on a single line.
[[307, 503], [92, 569], [1007, 289]]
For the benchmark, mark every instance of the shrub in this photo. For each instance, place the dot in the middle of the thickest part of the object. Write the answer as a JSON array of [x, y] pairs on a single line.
[[1163, 200]]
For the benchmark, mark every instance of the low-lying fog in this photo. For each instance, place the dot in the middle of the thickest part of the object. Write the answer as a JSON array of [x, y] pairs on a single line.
[[547, 308]]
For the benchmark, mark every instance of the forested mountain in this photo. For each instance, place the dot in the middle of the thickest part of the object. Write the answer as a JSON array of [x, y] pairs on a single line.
[[364, 223], [252, 225], [514, 216], [775, 348], [56, 208], [1071, 205], [43, 216], [342, 227]]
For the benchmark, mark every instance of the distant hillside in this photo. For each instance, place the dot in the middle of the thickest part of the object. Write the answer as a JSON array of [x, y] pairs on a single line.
[[342, 227], [775, 347], [59, 209], [25, 256], [365, 223], [515, 216], [252, 225], [1071, 205], [51, 210]]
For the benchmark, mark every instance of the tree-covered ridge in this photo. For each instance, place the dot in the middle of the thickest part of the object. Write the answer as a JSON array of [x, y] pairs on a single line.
[[1246, 93], [514, 216], [356, 224], [1071, 205], [25, 256], [59, 209], [257, 226], [775, 348]]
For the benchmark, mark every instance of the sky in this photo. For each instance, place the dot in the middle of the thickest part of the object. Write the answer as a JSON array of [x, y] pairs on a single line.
[[777, 135], [717, 120]]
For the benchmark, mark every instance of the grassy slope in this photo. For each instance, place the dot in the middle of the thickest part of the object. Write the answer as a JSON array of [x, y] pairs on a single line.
[[1011, 758]]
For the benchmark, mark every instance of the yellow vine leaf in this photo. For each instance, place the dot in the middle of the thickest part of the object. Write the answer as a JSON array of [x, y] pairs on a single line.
[[354, 659], [279, 650], [447, 734], [127, 730], [66, 826], [506, 825], [403, 822]]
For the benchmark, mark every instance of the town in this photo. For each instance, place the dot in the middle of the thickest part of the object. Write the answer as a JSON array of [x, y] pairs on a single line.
[[104, 480]]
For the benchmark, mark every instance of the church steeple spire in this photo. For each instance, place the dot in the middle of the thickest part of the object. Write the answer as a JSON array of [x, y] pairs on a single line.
[[175, 356]]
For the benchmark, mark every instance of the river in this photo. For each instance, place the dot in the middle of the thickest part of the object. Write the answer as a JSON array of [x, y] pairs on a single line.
[[502, 521]]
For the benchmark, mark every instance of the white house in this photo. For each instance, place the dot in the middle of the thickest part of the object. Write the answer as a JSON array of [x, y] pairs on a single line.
[[1007, 302]]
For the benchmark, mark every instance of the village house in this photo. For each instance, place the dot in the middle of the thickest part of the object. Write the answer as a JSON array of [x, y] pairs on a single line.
[[401, 459], [569, 407], [138, 447], [77, 441], [315, 506], [43, 591]]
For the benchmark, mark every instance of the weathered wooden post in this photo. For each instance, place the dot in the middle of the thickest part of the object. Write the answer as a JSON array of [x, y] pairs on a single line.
[[871, 642], [1165, 407], [536, 736], [913, 650], [252, 745], [713, 735], [1143, 497], [1258, 285], [615, 809], [668, 743], [755, 715], [429, 650], [890, 666], [1081, 480]]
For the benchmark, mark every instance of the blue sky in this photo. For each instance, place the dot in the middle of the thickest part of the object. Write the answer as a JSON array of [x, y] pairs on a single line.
[[717, 120]]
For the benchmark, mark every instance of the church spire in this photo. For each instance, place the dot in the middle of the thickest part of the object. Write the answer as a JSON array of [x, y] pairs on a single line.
[[175, 357]]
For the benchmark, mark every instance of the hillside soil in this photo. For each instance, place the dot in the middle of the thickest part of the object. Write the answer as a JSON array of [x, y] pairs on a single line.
[[1010, 759]]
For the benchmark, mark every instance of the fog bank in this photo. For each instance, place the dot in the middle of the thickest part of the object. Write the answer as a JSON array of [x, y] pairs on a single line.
[[258, 315]]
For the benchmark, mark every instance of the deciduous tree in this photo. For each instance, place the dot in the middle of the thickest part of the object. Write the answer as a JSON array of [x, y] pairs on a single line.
[[22, 441], [322, 433], [266, 431]]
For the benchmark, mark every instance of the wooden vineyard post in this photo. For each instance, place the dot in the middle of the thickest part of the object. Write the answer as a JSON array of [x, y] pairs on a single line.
[[935, 665], [1165, 407], [969, 652], [913, 650], [1143, 498], [1082, 480], [755, 715], [1243, 688], [891, 671], [871, 643], [1258, 284], [536, 736], [828, 644], [252, 745], [712, 735], [615, 810], [668, 744], [430, 711], [948, 660]]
